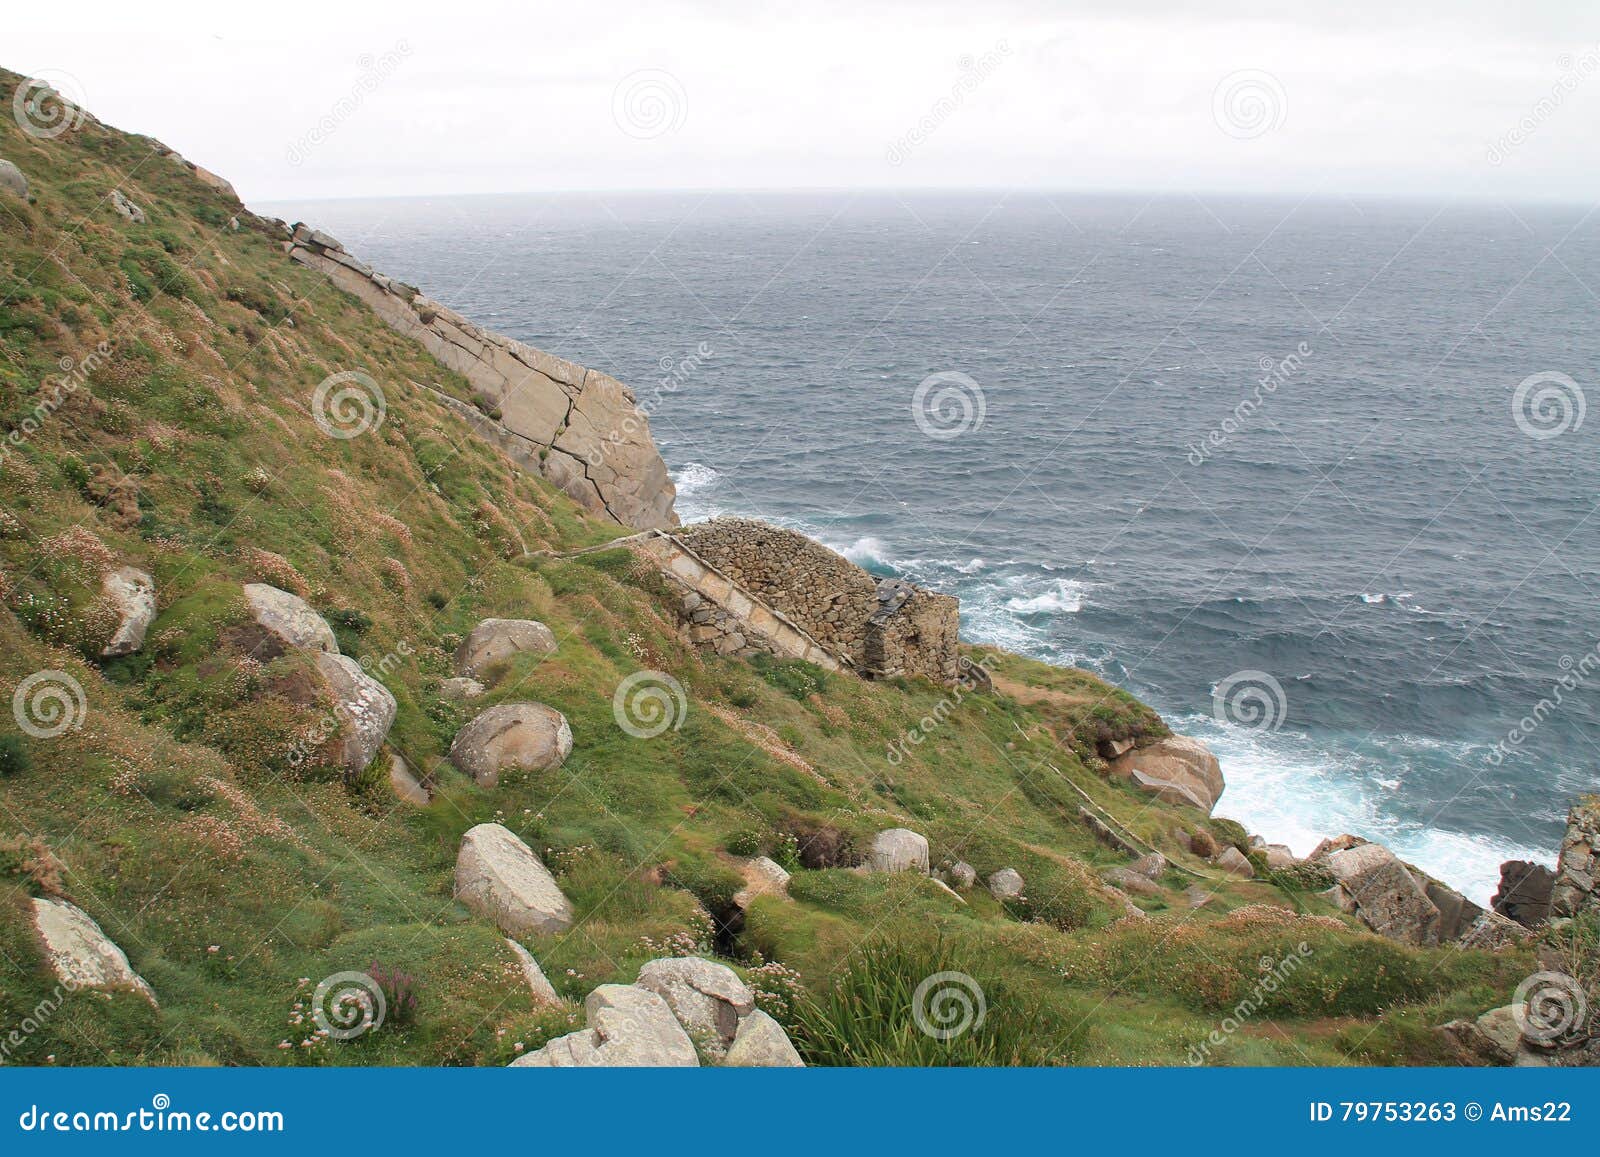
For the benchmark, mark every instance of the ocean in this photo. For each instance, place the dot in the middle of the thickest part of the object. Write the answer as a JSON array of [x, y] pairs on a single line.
[[1311, 477]]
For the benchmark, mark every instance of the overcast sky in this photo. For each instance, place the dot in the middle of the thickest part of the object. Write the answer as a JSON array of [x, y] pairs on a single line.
[[296, 100]]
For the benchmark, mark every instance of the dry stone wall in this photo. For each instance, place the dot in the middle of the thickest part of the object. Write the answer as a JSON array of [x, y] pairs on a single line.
[[577, 427], [833, 600]]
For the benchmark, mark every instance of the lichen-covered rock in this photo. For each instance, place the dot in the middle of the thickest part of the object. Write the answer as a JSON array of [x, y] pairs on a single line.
[[1006, 884], [1234, 862], [289, 620], [363, 706], [1151, 867], [539, 986], [762, 877], [12, 181], [761, 1043], [1576, 889], [500, 878], [1387, 897], [80, 954], [1492, 932], [126, 209], [961, 875], [1178, 769], [899, 850], [496, 640], [708, 999], [132, 594], [527, 736], [627, 1026], [459, 690]]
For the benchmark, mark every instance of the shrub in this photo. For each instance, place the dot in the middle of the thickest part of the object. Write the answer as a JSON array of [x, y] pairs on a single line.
[[896, 999], [745, 842], [1231, 832], [1303, 877], [399, 993], [14, 755]]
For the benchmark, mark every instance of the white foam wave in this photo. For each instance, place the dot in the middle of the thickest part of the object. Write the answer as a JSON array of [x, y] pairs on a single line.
[[693, 477], [1065, 597]]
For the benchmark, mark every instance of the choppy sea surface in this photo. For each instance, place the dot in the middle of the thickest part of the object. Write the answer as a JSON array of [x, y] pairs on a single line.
[[1313, 478]]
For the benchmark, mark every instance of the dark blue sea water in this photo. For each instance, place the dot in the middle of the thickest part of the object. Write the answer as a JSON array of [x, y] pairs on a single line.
[[1374, 532]]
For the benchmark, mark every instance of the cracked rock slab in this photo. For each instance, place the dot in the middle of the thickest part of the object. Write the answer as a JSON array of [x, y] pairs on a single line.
[[708, 999]]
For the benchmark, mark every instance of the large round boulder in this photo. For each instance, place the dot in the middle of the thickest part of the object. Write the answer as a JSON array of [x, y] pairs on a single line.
[[1006, 884], [496, 640], [899, 850], [528, 736], [288, 620], [363, 706], [500, 878]]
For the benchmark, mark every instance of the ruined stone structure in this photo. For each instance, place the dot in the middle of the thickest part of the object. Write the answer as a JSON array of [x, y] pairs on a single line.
[[1576, 889], [577, 427], [880, 628]]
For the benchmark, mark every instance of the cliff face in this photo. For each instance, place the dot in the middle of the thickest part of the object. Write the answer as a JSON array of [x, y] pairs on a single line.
[[579, 427]]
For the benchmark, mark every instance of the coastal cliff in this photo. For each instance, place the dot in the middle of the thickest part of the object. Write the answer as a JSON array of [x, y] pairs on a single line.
[[330, 655]]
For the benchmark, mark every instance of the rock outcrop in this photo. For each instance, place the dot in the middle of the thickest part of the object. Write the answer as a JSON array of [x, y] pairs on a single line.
[[708, 999], [500, 878], [579, 428], [496, 640], [80, 954], [761, 1043], [1525, 892], [677, 1003], [528, 736], [288, 620], [762, 877], [1177, 770], [1234, 862], [1576, 889], [1385, 895], [627, 1027], [364, 707], [126, 209], [132, 594], [899, 850]]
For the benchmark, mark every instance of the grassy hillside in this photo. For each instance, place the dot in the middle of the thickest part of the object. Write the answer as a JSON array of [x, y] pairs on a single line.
[[156, 387]]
